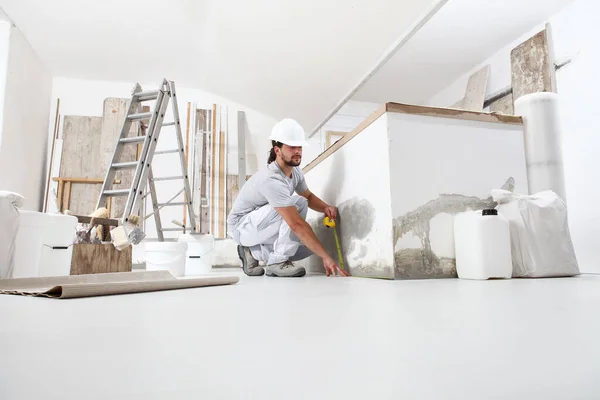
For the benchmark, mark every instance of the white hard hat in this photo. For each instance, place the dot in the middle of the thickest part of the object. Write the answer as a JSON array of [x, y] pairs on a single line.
[[290, 132]]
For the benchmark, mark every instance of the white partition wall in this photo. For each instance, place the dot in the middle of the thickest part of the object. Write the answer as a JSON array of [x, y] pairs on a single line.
[[356, 178], [399, 179], [440, 167]]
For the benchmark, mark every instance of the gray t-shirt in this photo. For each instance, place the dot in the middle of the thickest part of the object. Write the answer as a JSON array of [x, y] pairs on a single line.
[[268, 186]]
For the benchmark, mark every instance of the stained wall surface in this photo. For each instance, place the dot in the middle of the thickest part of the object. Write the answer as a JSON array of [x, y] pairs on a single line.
[[356, 178], [440, 167]]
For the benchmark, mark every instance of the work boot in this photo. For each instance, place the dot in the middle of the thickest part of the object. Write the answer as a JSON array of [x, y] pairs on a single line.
[[249, 263], [285, 270]]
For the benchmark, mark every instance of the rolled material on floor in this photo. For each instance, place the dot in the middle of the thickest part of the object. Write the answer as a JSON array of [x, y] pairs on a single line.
[[74, 286], [543, 142]]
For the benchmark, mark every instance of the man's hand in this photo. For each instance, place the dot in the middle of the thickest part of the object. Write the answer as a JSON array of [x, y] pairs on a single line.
[[331, 212], [331, 268]]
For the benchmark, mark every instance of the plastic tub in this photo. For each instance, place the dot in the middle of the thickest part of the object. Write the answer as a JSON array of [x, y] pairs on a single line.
[[199, 253], [44, 245], [482, 243], [169, 256]]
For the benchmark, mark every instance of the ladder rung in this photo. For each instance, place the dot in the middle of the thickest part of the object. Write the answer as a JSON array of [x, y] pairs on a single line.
[[125, 165], [135, 139], [166, 152], [168, 123], [140, 116], [147, 96], [168, 178], [173, 204], [117, 192]]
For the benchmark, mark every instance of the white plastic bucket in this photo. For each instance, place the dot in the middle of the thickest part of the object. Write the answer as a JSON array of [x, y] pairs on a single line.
[[169, 256], [199, 253], [44, 245]]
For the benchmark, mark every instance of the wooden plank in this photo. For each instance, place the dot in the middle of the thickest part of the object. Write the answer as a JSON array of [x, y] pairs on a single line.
[[59, 196], [54, 138], [241, 148], [476, 91], [113, 117], [204, 211], [82, 159], [99, 259], [221, 185], [504, 105], [454, 113], [213, 178], [67, 196], [85, 219], [532, 69], [233, 188], [187, 147]]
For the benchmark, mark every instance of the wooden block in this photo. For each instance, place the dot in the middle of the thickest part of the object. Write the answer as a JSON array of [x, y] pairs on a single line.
[[81, 159], [100, 259], [113, 116], [532, 66]]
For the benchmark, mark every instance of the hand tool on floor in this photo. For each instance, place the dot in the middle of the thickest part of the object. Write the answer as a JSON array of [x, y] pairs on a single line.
[[330, 223]]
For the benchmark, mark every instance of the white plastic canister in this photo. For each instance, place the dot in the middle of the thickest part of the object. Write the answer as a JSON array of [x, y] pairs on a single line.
[[168, 256], [199, 253], [482, 243]]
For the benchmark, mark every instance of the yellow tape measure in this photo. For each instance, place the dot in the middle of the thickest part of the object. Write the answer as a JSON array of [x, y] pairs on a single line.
[[330, 223]]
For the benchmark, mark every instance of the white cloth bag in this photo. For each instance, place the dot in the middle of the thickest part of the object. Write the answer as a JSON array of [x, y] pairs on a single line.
[[539, 233], [9, 226]]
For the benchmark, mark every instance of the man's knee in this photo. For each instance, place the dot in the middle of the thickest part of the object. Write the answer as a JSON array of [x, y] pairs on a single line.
[[302, 206]]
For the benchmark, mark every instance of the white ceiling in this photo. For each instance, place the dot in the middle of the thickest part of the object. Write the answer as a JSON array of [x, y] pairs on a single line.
[[283, 58], [462, 34]]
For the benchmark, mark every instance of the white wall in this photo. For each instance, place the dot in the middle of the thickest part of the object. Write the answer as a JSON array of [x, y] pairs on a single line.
[[575, 31], [435, 176], [4, 50], [25, 122], [356, 179]]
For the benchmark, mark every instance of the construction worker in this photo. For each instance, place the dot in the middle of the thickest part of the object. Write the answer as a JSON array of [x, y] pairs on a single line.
[[268, 221]]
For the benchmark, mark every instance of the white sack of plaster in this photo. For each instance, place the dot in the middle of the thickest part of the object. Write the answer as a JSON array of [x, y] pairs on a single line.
[[540, 238]]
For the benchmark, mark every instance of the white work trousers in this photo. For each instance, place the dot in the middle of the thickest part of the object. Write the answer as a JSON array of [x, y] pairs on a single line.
[[269, 237]]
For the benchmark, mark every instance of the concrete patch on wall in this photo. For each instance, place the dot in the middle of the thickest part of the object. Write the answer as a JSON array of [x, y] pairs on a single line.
[[432, 224], [355, 224]]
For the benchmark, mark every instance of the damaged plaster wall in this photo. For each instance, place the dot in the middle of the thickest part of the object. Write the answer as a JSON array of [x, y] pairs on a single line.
[[439, 168], [356, 179]]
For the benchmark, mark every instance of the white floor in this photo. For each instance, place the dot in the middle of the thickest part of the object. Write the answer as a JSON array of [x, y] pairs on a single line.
[[310, 338]]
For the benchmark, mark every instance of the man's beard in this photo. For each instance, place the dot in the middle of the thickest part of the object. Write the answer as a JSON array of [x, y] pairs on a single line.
[[292, 163]]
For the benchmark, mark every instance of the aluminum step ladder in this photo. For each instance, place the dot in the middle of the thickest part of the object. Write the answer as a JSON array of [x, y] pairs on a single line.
[[143, 167]]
